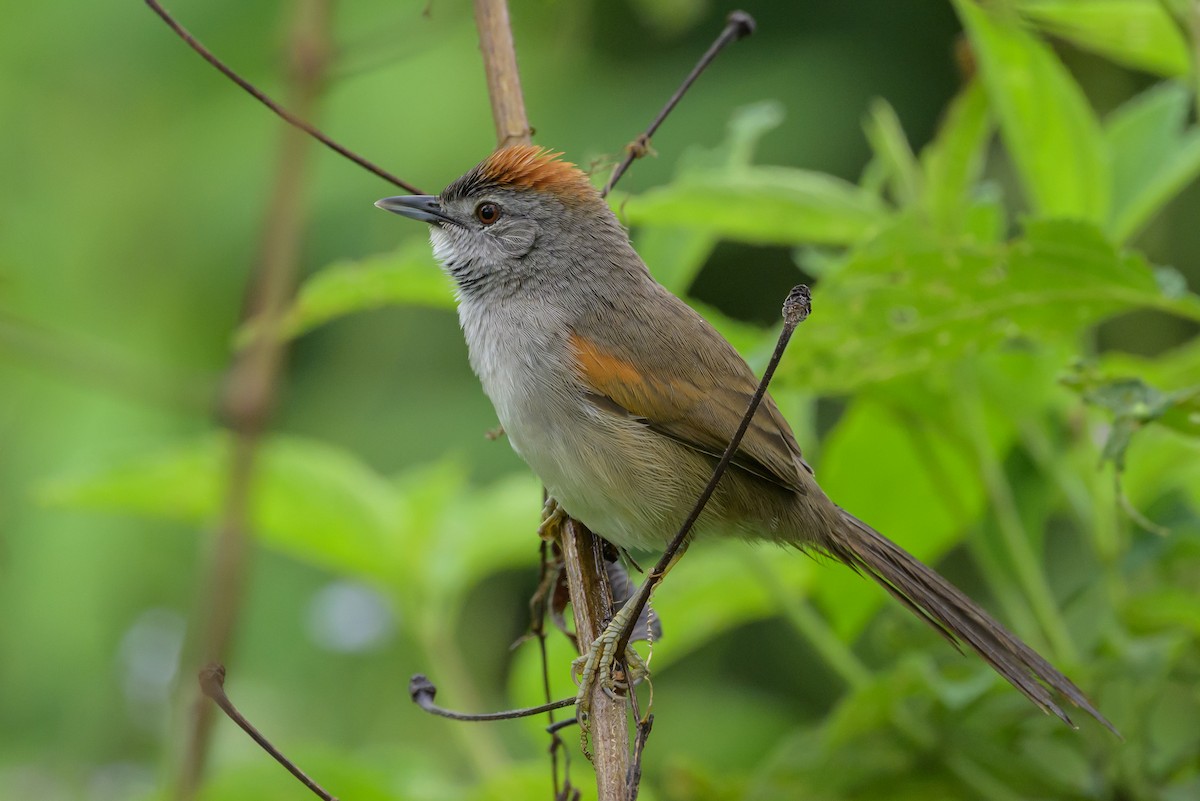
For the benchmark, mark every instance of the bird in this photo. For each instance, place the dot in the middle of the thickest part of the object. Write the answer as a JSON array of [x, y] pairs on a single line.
[[621, 398]]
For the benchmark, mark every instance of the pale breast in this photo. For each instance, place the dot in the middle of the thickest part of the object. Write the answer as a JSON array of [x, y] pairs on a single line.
[[605, 471]]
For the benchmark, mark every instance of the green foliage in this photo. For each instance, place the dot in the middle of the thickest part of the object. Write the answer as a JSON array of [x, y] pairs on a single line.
[[953, 161], [968, 409], [406, 277], [1153, 156], [1134, 404], [906, 302], [764, 205], [320, 504], [1137, 33], [1050, 131]]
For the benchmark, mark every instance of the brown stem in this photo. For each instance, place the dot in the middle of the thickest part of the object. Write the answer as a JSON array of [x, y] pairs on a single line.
[[212, 685], [503, 78], [538, 606], [253, 378], [591, 602], [586, 577], [639, 747]]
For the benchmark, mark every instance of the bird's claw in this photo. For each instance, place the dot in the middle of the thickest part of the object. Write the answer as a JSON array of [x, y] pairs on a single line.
[[552, 517], [598, 668]]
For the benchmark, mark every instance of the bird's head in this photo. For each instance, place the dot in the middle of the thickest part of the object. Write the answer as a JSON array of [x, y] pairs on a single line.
[[520, 213]]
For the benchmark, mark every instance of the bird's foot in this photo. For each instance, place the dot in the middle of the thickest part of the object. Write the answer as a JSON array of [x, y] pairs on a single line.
[[552, 517], [598, 667]]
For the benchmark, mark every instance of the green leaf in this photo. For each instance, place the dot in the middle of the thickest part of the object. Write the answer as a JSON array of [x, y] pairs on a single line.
[[1161, 463], [1135, 33], [1170, 609], [353, 775], [1174, 738], [904, 304], [874, 442], [669, 19], [1172, 369], [322, 505], [747, 126], [869, 747], [407, 277], [717, 193], [886, 137], [1153, 157], [762, 205], [313, 501], [953, 161], [471, 533], [985, 220], [676, 255], [1134, 404], [1057, 761], [1047, 124]]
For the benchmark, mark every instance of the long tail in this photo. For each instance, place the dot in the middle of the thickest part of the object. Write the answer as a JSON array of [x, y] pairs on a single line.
[[955, 616]]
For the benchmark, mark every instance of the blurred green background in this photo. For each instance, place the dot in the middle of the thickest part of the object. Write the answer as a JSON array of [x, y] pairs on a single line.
[[992, 327]]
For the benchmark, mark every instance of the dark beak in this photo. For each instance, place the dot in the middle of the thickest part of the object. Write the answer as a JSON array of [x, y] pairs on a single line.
[[424, 208]]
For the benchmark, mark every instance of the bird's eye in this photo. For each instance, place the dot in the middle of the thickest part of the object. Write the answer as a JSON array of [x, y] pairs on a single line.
[[487, 213]]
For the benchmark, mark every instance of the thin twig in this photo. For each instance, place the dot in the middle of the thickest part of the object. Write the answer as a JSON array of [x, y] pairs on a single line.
[[212, 684], [633, 782], [542, 599], [639, 745], [253, 379], [796, 308], [261, 97], [565, 723], [738, 25], [423, 691]]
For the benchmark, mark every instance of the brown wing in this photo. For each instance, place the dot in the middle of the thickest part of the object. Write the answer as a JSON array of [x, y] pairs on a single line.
[[685, 382]]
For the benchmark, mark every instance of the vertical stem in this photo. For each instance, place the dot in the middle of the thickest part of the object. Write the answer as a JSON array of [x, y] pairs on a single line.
[[811, 626], [1012, 529], [1015, 607], [1193, 38], [1190, 24], [586, 577], [1093, 518], [481, 745], [503, 78], [591, 600], [253, 380]]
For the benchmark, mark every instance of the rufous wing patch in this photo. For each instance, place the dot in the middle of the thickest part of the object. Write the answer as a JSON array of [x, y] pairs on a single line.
[[700, 419], [602, 371]]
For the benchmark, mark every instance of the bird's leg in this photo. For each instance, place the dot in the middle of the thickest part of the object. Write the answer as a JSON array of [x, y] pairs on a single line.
[[552, 517], [596, 667]]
